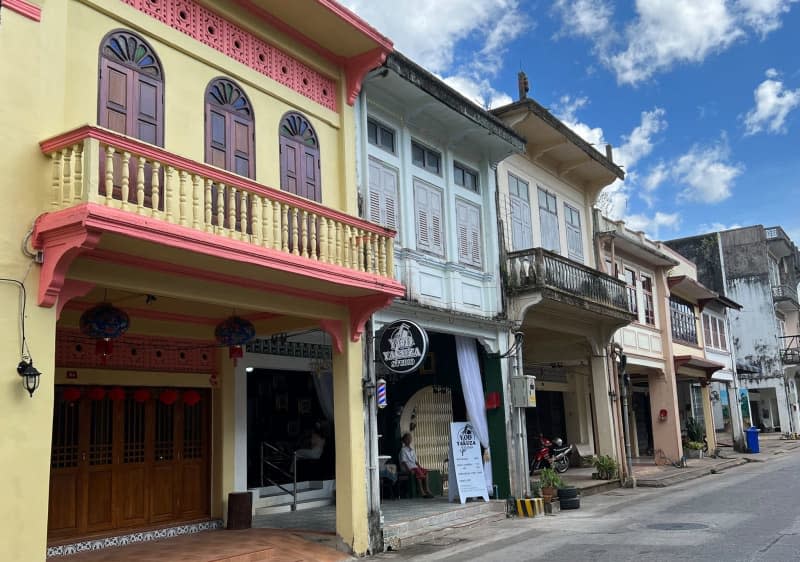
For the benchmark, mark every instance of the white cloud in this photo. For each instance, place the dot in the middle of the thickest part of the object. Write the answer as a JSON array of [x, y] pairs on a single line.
[[673, 31], [665, 33], [716, 227], [585, 18], [481, 92], [773, 104], [639, 143], [764, 15], [652, 225], [429, 33], [706, 173], [655, 177], [566, 109]]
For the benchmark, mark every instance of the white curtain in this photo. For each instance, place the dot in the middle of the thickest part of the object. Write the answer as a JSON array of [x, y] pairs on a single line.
[[323, 384], [472, 386]]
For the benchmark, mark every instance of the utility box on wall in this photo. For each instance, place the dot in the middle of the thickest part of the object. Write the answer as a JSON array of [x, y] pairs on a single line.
[[523, 391]]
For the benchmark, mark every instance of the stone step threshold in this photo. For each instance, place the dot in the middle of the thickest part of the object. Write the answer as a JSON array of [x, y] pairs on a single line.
[[689, 474], [405, 533]]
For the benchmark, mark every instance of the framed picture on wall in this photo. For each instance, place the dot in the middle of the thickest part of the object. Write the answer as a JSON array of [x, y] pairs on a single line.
[[304, 406], [429, 365]]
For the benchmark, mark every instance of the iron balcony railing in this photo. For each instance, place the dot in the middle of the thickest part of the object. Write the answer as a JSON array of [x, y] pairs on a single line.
[[537, 268], [790, 350], [784, 292]]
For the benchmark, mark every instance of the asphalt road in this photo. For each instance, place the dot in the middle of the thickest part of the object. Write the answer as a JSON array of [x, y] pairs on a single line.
[[751, 512]]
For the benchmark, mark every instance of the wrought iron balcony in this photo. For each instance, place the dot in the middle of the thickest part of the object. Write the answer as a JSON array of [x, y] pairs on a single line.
[[539, 269], [790, 350], [785, 296], [98, 166]]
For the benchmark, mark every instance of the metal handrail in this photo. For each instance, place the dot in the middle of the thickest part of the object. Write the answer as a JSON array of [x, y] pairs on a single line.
[[270, 461], [790, 349]]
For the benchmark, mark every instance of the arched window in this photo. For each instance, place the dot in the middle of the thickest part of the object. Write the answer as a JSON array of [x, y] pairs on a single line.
[[230, 131], [299, 147], [131, 88]]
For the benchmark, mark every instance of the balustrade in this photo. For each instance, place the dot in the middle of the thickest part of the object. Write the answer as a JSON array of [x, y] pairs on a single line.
[[538, 268], [98, 166]]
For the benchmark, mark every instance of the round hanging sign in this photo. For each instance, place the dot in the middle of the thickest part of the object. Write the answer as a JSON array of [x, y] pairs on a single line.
[[403, 346]]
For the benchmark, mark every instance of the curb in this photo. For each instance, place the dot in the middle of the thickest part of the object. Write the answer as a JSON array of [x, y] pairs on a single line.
[[693, 474]]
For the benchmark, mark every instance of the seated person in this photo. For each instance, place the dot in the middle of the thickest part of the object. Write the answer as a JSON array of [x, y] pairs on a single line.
[[317, 445], [408, 463]]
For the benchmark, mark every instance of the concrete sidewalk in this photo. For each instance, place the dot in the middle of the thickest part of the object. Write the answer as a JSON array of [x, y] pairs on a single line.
[[655, 476]]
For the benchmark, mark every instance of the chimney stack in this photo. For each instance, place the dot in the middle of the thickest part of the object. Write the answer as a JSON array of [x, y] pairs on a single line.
[[522, 82], [609, 153]]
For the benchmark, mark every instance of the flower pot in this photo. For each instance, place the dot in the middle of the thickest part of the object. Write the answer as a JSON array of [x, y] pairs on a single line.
[[694, 453], [548, 493]]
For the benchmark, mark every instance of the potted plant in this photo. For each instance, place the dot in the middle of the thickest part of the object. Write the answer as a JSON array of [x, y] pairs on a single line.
[[550, 481], [694, 434], [694, 449], [606, 467]]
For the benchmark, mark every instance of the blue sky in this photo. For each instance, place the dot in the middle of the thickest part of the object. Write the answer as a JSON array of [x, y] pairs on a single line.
[[700, 98]]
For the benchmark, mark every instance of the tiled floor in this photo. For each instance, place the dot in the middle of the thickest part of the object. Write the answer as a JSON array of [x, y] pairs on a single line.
[[251, 545]]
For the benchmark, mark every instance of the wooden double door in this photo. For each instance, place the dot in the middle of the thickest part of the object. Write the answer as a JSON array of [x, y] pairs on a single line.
[[127, 459]]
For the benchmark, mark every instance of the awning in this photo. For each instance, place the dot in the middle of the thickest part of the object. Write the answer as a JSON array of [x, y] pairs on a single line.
[[745, 367], [690, 288], [692, 362]]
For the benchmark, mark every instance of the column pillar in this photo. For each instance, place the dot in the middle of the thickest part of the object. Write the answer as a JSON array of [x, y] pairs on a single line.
[[351, 495], [499, 427], [664, 396], [708, 414], [224, 428], [604, 418]]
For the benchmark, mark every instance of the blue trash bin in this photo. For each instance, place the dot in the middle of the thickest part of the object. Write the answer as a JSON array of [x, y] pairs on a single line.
[[752, 440]]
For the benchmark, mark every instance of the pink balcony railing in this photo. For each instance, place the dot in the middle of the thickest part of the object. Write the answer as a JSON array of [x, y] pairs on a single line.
[[95, 165]]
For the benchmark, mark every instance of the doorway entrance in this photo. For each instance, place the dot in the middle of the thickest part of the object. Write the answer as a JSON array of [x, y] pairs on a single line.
[[125, 457]]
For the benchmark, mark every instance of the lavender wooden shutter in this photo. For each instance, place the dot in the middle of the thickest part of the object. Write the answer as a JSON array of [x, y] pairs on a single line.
[[300, 157]]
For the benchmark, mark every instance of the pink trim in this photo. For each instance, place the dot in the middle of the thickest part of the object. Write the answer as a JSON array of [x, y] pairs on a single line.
[[335, 329], [165, 316], [361, 308], [60, 248], [208, 27], [149, 151], [357, 67], [71, 289], [25, 8]]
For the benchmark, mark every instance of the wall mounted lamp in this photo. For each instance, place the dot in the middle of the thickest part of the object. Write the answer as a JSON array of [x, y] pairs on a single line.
[[30, 376]]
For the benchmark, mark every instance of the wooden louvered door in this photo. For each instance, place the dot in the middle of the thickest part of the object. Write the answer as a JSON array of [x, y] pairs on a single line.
[[122, 464], [131, 104]]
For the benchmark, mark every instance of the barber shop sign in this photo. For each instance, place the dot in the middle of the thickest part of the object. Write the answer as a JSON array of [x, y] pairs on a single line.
[[403, 346]]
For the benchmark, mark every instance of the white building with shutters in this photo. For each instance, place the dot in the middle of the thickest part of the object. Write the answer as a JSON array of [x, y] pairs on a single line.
[[426, 166], [566, 308]]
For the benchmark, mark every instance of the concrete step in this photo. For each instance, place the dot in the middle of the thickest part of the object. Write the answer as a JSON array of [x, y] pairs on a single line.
[[600, 488], [396, 539], [305, 503], [688, 474], [284, 498]]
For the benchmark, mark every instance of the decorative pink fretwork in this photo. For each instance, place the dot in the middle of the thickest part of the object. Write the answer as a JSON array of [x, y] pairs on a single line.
[[136, 353], [206, 26]]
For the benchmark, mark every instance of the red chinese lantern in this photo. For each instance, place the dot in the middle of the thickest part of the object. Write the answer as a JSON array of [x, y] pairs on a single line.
[[72, 394], [116, 394], [141, 395], [191, 397], [105, 322], [97, 393], [168, 397]]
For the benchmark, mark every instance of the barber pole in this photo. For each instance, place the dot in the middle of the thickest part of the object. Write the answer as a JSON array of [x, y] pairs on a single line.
[[381, 385]]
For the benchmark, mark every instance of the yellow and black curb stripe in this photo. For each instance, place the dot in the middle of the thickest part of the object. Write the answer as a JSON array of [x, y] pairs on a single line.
[[528, 507]]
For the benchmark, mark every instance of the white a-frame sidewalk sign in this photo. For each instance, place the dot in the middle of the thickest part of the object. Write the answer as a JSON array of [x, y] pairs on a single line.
[[466, 479]]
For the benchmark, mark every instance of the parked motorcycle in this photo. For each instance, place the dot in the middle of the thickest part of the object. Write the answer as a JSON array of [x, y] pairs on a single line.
[[551, 454]]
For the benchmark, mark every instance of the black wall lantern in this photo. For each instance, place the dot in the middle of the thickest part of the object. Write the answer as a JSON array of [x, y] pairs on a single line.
[[30, 376]]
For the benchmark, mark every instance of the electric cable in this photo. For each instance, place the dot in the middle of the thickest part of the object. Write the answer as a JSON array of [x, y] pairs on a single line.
[[24, 296]]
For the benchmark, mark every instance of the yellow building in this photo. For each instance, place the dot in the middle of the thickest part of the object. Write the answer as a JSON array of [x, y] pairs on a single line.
[[182, 163]]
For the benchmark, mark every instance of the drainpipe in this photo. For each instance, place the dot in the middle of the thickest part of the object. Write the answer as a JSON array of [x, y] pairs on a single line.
[[375, 517], [624, 386], [524, 481]]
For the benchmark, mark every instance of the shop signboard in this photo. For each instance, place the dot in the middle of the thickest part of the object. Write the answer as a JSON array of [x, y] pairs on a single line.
[[465, 477], [402, 347]]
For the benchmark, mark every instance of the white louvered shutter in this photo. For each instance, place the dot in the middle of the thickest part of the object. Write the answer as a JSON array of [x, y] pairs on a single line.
[[574, 237], [474, 222], [548, 222], [422, 210], [375, 192], [462, 224], [437, 221], [389, 180], [521, 235]]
